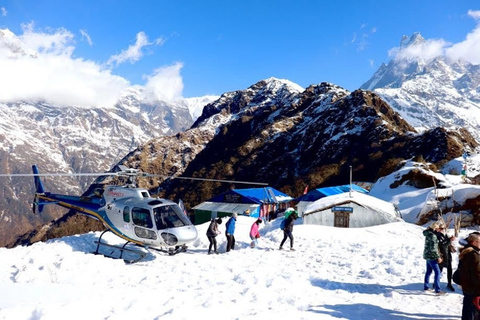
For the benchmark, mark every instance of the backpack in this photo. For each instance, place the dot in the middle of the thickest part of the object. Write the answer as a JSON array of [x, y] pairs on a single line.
[[456, 277], [282, 225]]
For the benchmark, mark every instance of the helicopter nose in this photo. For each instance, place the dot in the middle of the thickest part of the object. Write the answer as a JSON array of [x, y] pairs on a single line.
[[179, 236]]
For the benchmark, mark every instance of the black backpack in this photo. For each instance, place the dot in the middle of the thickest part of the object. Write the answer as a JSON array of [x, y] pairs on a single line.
[[456, 275]]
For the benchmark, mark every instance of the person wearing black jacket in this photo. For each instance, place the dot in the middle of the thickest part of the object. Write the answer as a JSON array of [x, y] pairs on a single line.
[[444, 244], [212, 233], [288, 229]]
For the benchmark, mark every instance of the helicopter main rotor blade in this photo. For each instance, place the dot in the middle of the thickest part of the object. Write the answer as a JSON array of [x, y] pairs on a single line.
[[56, 174], [219, 180], [126, 173]]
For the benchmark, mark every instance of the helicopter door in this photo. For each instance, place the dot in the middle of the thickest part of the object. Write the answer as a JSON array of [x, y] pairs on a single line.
[[142, 220]]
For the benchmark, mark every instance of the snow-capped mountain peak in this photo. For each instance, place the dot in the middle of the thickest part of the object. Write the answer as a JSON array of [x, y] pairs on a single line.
[[430, 92], [415, 39], [13, 47]]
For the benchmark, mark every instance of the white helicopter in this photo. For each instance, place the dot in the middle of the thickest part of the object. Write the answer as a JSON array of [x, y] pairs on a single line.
[[127, 211]]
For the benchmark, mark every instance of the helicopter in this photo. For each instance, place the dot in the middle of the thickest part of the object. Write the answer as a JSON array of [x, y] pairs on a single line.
[[128, 211]]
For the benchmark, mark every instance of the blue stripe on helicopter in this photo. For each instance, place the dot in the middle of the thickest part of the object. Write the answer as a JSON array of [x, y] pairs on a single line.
[[84, 207]]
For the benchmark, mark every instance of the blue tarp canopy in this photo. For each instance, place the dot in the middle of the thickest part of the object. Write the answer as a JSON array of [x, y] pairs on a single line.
[[252, 195], [328, 191]]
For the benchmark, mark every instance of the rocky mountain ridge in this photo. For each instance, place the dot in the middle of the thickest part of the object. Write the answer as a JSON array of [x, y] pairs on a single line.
[[276, 132], [430, 92]]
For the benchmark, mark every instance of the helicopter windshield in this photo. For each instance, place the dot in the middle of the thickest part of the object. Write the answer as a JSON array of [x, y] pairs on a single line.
[[169, 216]]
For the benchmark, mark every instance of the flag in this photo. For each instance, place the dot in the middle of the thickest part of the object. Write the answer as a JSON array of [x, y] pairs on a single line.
[[306, 190]]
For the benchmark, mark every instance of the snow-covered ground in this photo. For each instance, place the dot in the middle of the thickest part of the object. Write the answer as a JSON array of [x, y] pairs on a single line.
[[335, 273], [365, 273]]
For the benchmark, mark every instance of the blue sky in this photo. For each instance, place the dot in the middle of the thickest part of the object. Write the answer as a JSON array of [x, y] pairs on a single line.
[[195, 48]]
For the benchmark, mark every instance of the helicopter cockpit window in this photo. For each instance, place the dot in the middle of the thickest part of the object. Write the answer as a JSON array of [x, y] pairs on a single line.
[[169, 217], [141, 217], [126, 214]]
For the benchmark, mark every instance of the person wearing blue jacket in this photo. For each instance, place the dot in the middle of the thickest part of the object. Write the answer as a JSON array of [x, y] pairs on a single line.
[[229, 231]]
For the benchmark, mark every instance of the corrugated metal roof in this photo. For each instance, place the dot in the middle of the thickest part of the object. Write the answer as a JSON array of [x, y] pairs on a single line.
[[329, 191], [252, 195]]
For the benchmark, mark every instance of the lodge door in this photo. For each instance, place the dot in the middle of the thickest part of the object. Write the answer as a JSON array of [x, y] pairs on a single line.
[[342, 219]]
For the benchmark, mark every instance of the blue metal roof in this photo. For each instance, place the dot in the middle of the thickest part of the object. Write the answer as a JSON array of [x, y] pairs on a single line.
[[329, 191], [252, 195]]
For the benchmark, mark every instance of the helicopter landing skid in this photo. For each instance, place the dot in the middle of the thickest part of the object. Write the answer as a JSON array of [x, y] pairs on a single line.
[[172, 251], [122, 249]]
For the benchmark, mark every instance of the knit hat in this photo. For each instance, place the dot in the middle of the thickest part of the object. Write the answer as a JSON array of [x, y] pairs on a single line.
[[219, 220], [234, 215]]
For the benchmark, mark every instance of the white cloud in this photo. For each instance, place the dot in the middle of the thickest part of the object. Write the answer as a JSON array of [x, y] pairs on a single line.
[[86, 36], [468, 49], [422, 51], [57, 43], [40, 66], [474, 14], [3, 12], [134, 52], [166, 83]]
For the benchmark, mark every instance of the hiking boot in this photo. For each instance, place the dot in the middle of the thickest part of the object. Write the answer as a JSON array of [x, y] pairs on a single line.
[[450, 287], [291, 249], [280, 248], [440, 293]]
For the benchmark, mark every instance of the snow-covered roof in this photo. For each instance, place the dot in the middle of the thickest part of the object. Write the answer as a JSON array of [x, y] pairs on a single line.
[[361, 199]]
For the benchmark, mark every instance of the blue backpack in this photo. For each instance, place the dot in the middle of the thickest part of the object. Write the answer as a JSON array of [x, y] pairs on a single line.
[[282, 225]]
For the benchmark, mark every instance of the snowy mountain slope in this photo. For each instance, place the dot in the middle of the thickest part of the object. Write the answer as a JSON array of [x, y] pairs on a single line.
[[430, 91], [71, 138]]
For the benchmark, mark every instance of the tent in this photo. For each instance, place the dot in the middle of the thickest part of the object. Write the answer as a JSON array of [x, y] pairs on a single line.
[[308, 198], [350, 210], [254, 202]]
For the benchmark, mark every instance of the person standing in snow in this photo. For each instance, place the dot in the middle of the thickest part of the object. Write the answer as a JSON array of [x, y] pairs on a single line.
[[288, 229], [230, 229], [431, 254], [469, 268], [444, 245], [212, 233], [255, 233]]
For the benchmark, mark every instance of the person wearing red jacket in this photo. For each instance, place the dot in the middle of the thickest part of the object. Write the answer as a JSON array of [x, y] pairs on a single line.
[[255, 233]]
